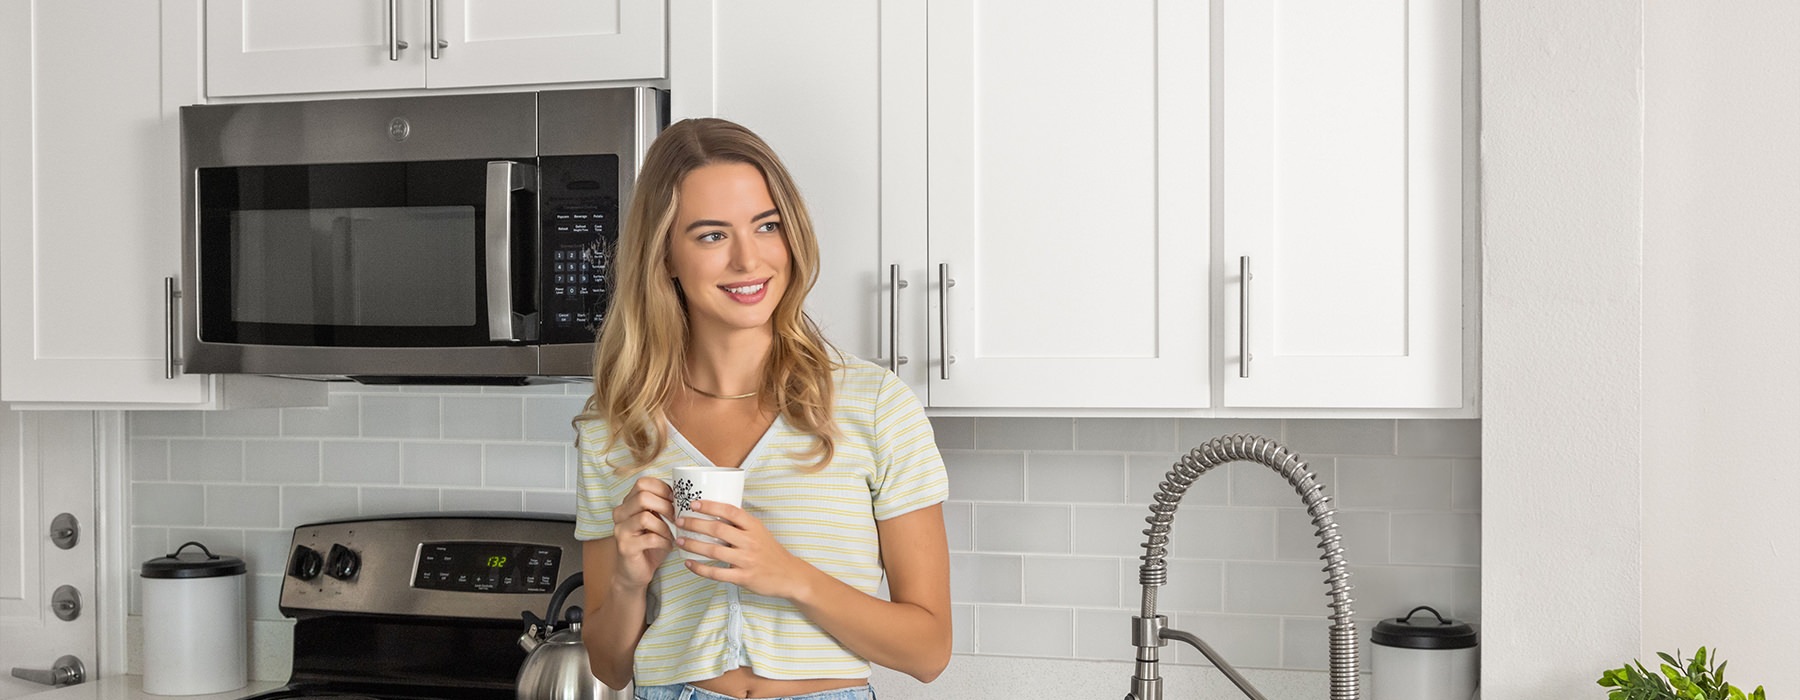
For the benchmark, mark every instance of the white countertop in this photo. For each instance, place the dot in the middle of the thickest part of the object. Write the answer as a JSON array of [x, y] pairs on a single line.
[[132, 688]]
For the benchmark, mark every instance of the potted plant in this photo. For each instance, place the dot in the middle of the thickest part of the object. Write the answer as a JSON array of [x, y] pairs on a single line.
[[1692, 679]]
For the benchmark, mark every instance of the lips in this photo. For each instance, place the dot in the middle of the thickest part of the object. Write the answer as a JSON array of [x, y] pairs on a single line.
[[749, 292]]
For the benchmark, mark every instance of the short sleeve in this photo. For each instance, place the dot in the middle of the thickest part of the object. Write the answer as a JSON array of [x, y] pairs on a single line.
[[593, 495], [909, 472]]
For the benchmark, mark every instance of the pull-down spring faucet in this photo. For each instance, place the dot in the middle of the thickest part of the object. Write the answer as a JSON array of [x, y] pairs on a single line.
[[1150, 631]]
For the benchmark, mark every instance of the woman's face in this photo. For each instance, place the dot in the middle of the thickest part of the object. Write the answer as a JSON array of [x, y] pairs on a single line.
[[727, 249]]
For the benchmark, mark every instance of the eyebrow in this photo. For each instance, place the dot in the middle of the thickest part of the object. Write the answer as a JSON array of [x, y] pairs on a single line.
[[703, 223]]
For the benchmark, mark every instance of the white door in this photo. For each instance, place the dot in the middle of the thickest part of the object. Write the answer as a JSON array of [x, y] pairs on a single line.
[[837, 89], [1069, 203], [46, 469], [272, 47], [1342, 195], [523, 42]]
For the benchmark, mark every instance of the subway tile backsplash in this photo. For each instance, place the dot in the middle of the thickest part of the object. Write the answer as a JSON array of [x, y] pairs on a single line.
[[1045, 516]]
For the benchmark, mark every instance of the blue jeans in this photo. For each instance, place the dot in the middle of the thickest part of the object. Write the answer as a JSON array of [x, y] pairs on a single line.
[[687, 692]]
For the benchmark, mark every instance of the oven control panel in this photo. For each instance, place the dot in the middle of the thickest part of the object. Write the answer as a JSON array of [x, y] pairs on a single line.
[[487, 567], [459, 565]]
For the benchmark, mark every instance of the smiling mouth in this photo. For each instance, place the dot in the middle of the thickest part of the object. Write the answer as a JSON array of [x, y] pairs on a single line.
[[748, 289]]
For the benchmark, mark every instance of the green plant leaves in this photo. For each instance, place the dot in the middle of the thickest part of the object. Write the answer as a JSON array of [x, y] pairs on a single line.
[[1675, 679]]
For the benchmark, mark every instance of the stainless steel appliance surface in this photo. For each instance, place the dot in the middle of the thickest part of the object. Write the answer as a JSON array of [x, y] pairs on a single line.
[[445, 239], [417, 606]]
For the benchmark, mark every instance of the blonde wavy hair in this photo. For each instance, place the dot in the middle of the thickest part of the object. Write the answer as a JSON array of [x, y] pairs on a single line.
[[638, 357]]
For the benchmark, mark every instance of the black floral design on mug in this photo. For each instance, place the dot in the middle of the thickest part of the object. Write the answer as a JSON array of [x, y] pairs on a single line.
[[686, 492]]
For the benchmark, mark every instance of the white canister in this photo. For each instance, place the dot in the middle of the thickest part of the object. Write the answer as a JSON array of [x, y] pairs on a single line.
[[195, 634], [1424, 659]]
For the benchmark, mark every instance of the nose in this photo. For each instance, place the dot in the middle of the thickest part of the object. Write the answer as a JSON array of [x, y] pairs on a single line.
[[743, 252]]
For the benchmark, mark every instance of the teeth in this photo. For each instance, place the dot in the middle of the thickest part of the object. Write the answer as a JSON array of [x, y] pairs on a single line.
[[752, 289]]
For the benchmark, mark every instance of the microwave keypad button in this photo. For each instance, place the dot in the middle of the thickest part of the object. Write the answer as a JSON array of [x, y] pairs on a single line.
[[563, 318]]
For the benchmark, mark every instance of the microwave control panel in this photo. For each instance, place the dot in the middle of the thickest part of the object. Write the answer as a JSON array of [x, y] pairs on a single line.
[[580, 208]]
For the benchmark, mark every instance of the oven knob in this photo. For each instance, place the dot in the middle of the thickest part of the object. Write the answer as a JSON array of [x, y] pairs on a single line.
[[305, 563], [343, 563]]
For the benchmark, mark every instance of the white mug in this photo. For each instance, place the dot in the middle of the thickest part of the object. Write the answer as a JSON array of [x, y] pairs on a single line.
[[717, 484]]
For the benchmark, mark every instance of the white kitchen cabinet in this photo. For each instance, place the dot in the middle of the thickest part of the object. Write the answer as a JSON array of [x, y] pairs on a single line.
[[267, 47], [1057, 160], [836, 87], [1069, 203], [1342, 195], [89, 211], [1074, 221]]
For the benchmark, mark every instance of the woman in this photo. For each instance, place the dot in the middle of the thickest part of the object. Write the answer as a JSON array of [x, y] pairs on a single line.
[[706, 357]]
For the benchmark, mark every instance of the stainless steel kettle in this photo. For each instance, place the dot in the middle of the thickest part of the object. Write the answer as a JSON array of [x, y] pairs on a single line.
[[556, 665]]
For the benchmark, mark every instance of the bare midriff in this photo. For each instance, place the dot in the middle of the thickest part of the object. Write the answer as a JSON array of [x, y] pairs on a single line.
[[742, 683]]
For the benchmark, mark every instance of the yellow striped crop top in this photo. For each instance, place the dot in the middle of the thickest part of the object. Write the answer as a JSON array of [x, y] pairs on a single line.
[[886, 465]]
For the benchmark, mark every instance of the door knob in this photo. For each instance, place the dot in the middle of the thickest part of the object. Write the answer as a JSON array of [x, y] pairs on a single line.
[[65, 531], [67, 671], [66, 603]]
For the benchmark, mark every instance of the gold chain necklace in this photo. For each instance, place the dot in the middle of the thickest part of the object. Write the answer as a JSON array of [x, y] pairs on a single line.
[[709, 394]]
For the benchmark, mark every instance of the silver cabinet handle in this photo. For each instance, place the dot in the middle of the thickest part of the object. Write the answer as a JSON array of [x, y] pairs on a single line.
[[503, 178], [66, 671], [171, 326], [395, 45], [436, 43], [944, 285], [895, 284], [1244, 317]]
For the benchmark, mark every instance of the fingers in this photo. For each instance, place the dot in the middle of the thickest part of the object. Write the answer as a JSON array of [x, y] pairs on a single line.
[[647, 495], [724, 511]]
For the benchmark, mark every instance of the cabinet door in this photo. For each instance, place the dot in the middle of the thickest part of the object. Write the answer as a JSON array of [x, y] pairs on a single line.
[[1069, 203], [89, 211], [521, 42], [272, 47], [1342, 192], [89, 218], [836, 87]]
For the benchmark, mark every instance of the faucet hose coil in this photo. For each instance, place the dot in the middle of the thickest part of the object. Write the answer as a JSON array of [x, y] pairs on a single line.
[[1250, 448]]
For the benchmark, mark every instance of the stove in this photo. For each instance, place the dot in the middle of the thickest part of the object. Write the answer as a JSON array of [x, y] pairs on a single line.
[[423, 606]]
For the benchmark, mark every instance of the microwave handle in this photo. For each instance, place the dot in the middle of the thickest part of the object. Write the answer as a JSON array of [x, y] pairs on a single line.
[[503, 178]]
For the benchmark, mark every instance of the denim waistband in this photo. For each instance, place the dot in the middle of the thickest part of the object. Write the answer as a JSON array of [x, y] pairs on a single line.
[[683, 691]]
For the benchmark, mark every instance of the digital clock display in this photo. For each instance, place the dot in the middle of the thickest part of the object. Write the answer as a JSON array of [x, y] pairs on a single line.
[[487, 567]]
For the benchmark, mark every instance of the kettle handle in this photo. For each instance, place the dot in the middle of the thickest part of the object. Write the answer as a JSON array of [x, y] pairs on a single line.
[[561, 595]]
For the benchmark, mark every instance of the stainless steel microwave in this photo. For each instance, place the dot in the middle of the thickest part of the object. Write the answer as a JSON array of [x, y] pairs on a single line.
[[457, 239]]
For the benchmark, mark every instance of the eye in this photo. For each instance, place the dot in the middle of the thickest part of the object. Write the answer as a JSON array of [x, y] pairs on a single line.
[[769, 227], [711, 237]]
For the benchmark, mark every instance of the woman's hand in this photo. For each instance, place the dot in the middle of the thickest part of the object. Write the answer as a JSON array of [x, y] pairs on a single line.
[[642, 535], [759, 564]]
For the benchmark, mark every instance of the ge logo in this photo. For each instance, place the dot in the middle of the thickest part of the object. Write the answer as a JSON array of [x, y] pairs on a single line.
[[399, 129]]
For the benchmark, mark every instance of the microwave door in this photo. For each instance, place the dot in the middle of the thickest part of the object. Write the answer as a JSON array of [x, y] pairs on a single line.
[[352, 268]]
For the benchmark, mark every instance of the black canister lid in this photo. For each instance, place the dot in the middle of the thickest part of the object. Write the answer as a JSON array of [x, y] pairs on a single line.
[[193, 565], [1426, 633]]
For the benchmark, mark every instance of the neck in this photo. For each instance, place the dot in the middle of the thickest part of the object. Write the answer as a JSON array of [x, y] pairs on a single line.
[[728, 363]]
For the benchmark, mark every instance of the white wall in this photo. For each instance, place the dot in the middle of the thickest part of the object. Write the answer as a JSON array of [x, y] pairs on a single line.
[[1642, 314], [1722, 333], [1561, 304]]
